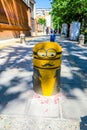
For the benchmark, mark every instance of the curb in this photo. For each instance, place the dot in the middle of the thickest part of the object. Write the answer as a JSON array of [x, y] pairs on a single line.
[[11, 42], [23, 122]]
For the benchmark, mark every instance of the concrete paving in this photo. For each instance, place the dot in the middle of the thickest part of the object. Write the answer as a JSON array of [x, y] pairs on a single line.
[[21, 108]]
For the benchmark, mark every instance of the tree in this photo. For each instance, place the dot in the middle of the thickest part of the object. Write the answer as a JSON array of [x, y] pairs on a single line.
[[42, 21], [67, 11]]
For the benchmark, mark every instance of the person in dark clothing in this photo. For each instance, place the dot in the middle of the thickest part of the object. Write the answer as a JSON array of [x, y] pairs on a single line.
[[47, 30], [52, 36]]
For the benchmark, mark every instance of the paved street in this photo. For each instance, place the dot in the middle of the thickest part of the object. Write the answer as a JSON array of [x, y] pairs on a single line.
[[17, 99]]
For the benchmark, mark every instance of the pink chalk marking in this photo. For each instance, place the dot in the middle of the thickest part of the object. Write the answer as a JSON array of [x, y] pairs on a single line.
[[56, 99], [45, 101], [36, 96], [46, 110], [42, 102]]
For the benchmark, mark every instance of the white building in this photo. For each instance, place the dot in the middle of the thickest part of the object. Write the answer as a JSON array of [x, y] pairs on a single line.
[[45, 13]]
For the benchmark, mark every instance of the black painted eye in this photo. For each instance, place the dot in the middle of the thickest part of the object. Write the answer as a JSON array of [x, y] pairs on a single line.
[[51, 53], [41, 53]]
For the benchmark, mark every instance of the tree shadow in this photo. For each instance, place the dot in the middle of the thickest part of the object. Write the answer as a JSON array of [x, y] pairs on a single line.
[[5, 98], [74, 79], [83, 123], [31, 42], [75, 58], [16, 69], [18, 57]]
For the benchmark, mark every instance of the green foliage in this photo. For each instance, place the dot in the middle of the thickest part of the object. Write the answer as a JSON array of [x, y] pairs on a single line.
[[67, 11], [42, 21]]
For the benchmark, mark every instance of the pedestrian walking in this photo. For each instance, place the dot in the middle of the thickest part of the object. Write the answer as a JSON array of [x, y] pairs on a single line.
[[52, 36], [47, 30]]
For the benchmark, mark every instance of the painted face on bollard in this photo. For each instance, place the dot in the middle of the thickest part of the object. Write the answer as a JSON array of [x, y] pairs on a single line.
[[47, 55], [47, 61]]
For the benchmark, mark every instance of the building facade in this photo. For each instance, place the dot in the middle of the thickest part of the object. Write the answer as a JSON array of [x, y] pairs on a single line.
[[43, 13], [16, 17]]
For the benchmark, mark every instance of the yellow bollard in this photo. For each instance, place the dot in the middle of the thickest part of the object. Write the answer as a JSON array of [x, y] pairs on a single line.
[[47, 64]]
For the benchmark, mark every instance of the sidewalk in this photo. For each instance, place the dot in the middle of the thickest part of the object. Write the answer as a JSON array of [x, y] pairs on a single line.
[[22, 109], [13, 41], [9, 42]]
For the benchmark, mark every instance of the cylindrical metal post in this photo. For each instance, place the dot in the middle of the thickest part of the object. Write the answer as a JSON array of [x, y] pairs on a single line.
[[81, 39], [47, 64], [22, 38]]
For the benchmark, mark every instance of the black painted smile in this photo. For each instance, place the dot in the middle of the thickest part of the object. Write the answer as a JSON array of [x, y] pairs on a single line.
[[45, 65]]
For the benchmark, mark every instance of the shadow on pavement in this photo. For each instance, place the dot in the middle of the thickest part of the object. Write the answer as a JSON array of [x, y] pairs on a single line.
[[39, 40], [16, 70], [83, 123], [15, 73], [75, 58]]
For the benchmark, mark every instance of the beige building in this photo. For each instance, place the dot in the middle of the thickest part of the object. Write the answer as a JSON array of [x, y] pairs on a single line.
[[43, 13]]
